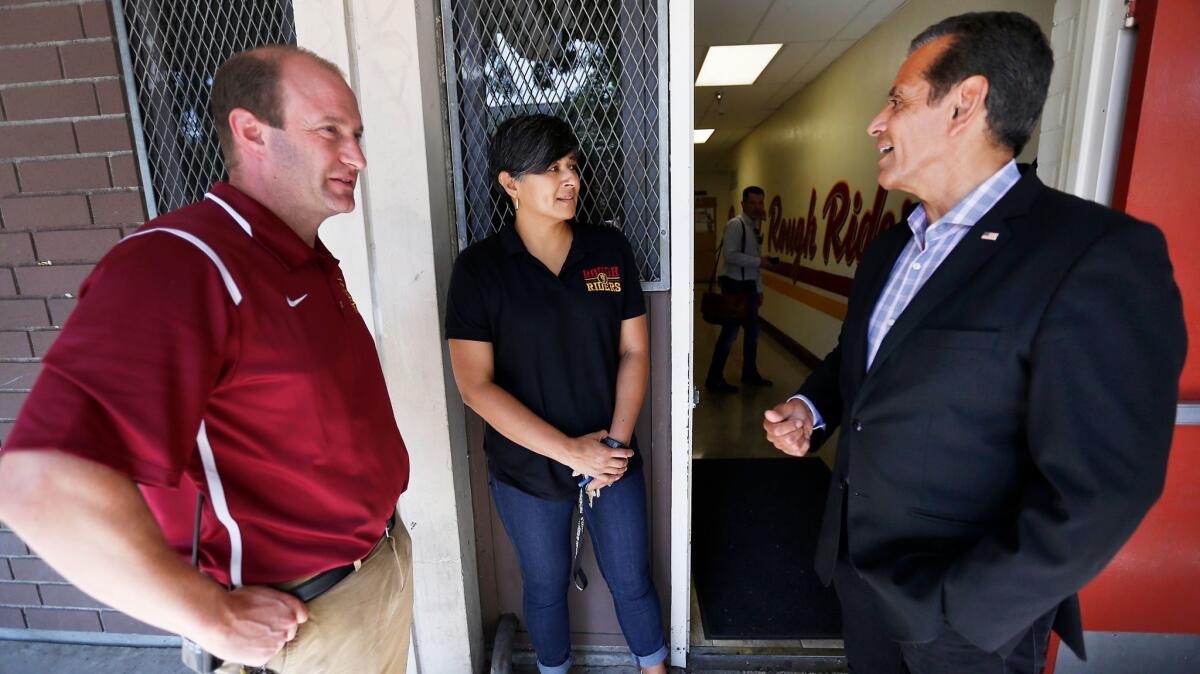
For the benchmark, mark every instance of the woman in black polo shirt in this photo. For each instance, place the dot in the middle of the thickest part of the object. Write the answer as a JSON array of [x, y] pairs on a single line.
[[548, 339]]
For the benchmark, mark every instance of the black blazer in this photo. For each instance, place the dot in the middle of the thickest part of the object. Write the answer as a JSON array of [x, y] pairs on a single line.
[[1014, 426]]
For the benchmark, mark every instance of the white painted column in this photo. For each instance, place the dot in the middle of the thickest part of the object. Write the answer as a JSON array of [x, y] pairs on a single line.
[[321, 27], [1085, 109], [680, 37], [392, 58]]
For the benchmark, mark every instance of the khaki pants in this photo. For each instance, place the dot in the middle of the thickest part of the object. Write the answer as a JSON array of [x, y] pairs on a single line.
[[363, 624]]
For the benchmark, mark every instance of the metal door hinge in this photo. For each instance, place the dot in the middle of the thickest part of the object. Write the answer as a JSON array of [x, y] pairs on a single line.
[[695, 396]]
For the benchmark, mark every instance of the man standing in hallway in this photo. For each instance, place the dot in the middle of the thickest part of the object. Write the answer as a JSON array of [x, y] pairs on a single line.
[[1005, 378], [218, 350], [741, 246]]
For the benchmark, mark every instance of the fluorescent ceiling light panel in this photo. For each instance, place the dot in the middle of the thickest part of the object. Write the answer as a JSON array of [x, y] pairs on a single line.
[[701, 135], [735, 65]]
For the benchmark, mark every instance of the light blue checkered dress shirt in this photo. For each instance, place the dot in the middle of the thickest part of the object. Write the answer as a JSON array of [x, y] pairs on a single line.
[[924, 253], [929, 247]]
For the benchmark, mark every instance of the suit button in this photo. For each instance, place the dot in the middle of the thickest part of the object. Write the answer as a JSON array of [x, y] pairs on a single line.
[[857, 425]]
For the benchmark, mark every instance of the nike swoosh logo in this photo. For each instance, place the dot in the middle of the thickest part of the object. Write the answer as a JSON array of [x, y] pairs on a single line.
[[298, 300]]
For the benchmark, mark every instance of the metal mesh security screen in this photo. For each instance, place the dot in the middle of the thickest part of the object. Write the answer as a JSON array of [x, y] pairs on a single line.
[[171, 50], [601, 65]]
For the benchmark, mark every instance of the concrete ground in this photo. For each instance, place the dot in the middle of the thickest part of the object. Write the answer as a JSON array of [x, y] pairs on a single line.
[[31, 657]]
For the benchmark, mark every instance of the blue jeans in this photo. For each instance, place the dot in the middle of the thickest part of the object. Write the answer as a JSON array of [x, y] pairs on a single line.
[[716, 368], [541, 532]]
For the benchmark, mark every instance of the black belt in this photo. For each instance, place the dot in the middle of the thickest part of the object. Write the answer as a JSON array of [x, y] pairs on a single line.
[[322, 582]]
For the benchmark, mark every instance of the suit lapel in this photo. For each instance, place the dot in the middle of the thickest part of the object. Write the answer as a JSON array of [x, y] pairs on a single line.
[[987, 237], [869, 284]]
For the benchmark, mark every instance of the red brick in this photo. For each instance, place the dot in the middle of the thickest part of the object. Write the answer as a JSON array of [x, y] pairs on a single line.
[[8, 180], [13, 344], [96, 20], [37, 212], [123, 624], [32, 568], [16, 376], [111, 94], [29, 64], [91, 59], [37, 140], [104, 135], [51, 101], [22, 313], [117, 208], [85, 245], [8, 286], [124, 171], [67, 596], [9, 543], [19, 594], [60, 310], [11, 618], [60, 175], [42, 339], [51, 280], [16, 248], [41, 24], [63, 619]]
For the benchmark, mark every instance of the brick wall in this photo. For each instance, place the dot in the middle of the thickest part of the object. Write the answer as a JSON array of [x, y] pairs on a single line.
[[69, 190]]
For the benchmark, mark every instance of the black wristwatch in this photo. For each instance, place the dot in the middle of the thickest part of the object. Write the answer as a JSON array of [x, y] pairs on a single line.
[[610, 441]]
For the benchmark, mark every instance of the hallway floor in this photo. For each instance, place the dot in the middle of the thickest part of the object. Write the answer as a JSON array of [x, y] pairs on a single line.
[[729, 425]]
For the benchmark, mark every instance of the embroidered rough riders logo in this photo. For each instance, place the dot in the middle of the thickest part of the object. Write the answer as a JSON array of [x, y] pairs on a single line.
[[342, 282], [602, 279]]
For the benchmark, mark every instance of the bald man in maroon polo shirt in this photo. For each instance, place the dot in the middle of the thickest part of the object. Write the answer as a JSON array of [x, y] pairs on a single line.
[[218, 350]]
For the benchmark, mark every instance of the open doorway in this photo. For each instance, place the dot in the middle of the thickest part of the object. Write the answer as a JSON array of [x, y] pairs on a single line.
[[797, 131]]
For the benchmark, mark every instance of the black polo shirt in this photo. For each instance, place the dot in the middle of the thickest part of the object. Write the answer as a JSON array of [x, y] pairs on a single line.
[[556, 339]]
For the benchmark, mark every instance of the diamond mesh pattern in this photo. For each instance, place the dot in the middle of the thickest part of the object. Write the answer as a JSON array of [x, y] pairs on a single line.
[[595, 64], [175, 47]]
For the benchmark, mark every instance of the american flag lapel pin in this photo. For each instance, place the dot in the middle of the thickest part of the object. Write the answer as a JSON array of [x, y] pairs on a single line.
[[990, 236]]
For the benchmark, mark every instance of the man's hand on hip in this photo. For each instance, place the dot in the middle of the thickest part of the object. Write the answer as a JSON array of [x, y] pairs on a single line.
[[253, 624], [789, 427]]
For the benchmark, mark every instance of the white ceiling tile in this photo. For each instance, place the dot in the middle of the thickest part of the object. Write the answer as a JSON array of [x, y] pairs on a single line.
[[698, 52], [701, 100], [806, 20], [785, 92], [724, 22], [788, 61], [821, 61], [870, 17]]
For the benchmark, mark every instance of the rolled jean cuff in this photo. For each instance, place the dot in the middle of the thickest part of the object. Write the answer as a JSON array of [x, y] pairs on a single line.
[[644, 661], [557, 669]]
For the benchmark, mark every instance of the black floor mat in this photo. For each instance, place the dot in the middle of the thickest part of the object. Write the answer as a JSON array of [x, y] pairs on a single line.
[[754, 530]]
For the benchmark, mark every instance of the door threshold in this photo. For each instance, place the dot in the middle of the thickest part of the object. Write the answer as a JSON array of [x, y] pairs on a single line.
[[774, 658]]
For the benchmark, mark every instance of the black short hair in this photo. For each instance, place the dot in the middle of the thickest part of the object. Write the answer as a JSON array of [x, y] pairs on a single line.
[[1007, 48], [530, 144], [753, 189]]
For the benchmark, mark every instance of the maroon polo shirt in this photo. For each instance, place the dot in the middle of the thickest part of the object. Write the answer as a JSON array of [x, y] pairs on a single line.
[[214, 349]]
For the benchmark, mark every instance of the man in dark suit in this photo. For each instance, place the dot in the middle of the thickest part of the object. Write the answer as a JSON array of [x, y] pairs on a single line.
[[1005, 378]]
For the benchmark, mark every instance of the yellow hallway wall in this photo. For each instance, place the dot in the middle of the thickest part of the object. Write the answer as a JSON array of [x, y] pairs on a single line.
[[818, 139]]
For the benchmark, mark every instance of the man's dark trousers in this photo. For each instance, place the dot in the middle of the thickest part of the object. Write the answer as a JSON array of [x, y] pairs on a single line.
[[871, 651]]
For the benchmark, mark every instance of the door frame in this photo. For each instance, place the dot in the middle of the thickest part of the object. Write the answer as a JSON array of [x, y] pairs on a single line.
[[680, 38]]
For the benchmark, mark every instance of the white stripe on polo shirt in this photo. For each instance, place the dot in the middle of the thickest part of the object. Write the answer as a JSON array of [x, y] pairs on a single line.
[[237, 217], [212, 476], [221, 506], [234, 292]]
